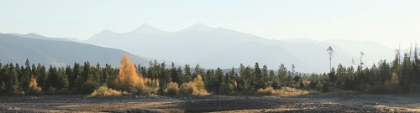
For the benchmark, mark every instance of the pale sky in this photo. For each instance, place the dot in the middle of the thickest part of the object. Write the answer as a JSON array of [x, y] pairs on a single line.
[[388, 22]]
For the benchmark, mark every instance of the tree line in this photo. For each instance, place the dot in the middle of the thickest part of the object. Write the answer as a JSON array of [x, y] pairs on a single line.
[[402, 75]]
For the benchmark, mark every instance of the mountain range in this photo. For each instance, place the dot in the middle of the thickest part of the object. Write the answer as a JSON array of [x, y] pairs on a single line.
[[198, 44], [218, 47], [16, 48]]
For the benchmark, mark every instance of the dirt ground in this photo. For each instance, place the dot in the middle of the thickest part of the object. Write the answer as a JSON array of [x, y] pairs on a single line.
[[231, 104]]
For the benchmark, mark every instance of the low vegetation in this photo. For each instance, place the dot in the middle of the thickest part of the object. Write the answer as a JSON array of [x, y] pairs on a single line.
[[105, 91], [282, 92], [195, 87], [172, 89]]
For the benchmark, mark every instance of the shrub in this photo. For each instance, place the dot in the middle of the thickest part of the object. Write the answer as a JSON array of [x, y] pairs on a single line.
[[171, 89], [266, 91], [285, 91], [105, 91], [196, 87], [149, 87], [188, 88], [15, 91]]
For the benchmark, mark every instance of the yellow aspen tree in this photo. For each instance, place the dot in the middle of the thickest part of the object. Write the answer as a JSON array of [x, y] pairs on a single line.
[[33, 84], [127, 76]]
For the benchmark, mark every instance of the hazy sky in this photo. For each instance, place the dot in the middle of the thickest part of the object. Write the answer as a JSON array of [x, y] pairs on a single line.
[[389, 22]]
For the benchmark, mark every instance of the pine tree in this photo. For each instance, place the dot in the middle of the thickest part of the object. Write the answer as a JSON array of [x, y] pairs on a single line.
[[219, 80], [174, 75], [42, 76], [64, 82], [181, 74], [70, 76], [53, 81], [282, 72], [86, 71], [259, 77], [264, 78], [76, 79], [25, 76], [13, 75], [187, 73], [330, 52], [164, 77]]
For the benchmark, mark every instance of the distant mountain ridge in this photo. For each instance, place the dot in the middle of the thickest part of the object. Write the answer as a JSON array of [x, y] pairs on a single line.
[[224, 48], [146, 29], [43, 50], [211, 48]]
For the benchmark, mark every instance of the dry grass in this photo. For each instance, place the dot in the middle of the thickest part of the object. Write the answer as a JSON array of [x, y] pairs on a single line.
[[105, 91], [282, 92]]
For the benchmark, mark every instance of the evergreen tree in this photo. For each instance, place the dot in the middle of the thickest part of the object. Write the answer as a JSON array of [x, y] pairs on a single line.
[[264, 78], [175, 75], [62, 77], [25, 76], [259, 77], [219, 80], [164, 77], [70, 76], [77, 78], [180, 74], [187, 73], [13, 82]]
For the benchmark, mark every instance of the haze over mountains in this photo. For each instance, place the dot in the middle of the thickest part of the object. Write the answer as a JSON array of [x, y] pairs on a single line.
[[224, 48], [15, 48], [199, 44]]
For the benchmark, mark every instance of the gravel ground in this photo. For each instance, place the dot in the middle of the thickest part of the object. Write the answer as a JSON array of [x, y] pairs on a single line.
[[144, 104]]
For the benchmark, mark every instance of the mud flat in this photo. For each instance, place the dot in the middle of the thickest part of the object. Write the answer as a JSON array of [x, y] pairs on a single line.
[[144, 104]]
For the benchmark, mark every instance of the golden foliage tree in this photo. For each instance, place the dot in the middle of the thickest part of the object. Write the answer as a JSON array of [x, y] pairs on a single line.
[[33, 86], [195, 87], [392, 85], [127, 76], [128, 79]]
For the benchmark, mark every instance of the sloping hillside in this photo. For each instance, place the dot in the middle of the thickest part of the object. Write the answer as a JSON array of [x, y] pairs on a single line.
[[15, 49]]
